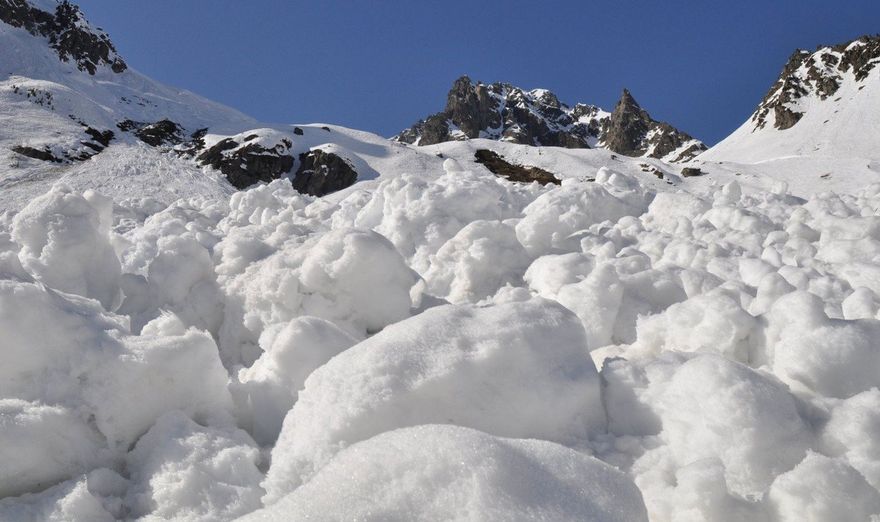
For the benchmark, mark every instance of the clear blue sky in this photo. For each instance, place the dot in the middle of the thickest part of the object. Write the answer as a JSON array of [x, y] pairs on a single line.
[[381, 65]]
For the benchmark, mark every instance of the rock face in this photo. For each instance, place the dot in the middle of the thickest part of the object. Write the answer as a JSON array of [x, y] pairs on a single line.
[[93, 142], [163, 132], [246, 163], [500, 167], [631, 131], [68, 34], [321, 173], [818, 74], [503, 112]]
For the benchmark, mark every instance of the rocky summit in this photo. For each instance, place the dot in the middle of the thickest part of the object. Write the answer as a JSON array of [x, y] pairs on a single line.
[[67, 32], [501, 111]]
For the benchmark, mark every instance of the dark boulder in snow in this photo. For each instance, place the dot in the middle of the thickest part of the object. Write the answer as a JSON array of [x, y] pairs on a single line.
[[245, 164], [323, 172], [500, 167], [690, 172], [163, 132]]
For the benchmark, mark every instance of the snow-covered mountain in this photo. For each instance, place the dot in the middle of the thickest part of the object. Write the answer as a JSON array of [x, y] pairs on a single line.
[[478, 329], [72, 110], [501, 111], [817, 127]]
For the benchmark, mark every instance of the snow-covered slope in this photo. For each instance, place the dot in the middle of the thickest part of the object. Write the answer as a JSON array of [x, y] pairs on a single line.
[[623, 340], [817, 127], [107, 127], [504, 112]]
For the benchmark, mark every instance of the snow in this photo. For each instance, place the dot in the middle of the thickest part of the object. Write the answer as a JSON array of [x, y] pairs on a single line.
[[433, 472], [433, 342], [220, 356], [461, 365], [831, 148]]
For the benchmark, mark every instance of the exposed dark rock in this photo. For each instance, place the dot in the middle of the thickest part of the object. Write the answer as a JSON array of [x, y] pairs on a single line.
[[93, 142], [504, 112], [500, 167], [297, 131], [163, 132], [101, 137], [40, 154], [321, 173], [128, 125], [690, 172], [819, 73], [631, 131], [626, 129], [67, 32], [245, 165]]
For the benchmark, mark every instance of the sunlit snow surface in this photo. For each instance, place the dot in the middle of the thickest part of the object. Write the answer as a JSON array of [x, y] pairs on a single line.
[[433, 342], [610, 352]]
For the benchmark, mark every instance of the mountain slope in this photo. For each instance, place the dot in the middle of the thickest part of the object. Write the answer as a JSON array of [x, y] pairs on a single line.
[[817, 127], [504, 112], [80, 115]]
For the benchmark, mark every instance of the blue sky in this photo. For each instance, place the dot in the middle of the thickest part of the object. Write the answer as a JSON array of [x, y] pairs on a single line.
[[381, 65]]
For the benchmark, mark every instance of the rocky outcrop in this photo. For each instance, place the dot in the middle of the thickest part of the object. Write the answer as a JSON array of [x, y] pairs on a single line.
[[512, 172], [245, 164], [68, 34], [503, 112], [631, 131], [161, 133], [93, 142], [819, 74], [321, 173], [625, 130]]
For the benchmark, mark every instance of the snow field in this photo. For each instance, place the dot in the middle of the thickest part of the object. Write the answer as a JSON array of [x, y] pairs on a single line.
[[447, 347]]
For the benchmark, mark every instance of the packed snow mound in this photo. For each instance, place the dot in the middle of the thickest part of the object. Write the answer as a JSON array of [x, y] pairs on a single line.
[[234, 354], [180, 470], [461, 365], [635, 343], [436, 472]]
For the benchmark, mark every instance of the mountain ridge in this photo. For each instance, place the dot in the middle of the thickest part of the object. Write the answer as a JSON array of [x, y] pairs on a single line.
[[502, 111]]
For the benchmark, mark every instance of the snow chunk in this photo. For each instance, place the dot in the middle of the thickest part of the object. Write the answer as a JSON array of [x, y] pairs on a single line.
[[461, 365], [272, 384], [42, 445], [853, 431], [64, 240], [437, 472], [70, 501], [833, 357], [481, 258], [180, 470], [713, 322], [354, 278], [820, 488], [550, 220], [66, 350]]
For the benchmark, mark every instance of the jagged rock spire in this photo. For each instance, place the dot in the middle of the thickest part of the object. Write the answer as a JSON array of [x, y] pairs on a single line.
[[504, 112]]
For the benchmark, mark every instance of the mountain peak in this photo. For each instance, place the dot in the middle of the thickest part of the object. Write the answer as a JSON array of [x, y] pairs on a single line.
[[627, 102], [65, 28], [502, 111]]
